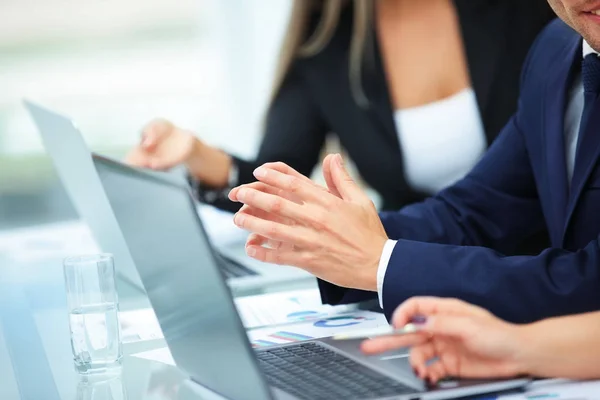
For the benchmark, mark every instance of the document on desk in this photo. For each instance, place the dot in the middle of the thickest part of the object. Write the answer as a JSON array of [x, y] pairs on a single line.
[[47, 241], [285, 308], [278, 335], [139, 325], [256, 312], [558, 390]]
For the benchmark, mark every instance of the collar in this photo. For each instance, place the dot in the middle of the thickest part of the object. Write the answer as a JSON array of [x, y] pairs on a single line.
[[587, 50]]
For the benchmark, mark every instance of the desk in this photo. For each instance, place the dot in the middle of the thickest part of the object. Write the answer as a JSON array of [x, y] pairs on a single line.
[[35, 353], [36, 361]]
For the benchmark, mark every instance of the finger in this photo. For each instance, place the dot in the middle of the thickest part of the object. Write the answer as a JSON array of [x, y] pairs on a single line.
[[137, 158], [304, 190], [261, 241], [436, 371], [287, 170], [387, 343], [428, 306], [258, 213], [343, 183], [419, 355], [282, 207], [297, 235], [276, 256], [327, 163], [451, 326], [263, 187], [153, 133]]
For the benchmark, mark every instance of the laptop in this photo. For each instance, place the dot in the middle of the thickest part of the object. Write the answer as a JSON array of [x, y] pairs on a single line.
[[201, 326], [73, 162]]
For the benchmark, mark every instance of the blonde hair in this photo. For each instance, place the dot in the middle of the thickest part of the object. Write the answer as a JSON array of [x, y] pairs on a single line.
[[295, 46]]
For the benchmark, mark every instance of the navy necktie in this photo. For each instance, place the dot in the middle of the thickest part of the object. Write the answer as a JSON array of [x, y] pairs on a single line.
[[590, 76]]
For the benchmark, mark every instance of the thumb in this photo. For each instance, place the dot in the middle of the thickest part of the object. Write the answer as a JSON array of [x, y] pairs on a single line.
[[342, 182], [327, 174]]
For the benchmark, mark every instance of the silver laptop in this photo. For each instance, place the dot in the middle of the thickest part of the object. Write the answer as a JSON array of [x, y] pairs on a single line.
[[196, 312], [73, 162]]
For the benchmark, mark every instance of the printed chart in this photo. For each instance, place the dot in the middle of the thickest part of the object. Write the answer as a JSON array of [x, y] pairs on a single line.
[[315, 329], [285, 308]]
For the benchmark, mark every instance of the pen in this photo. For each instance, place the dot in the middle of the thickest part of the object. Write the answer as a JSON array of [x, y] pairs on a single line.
[[375, 332]]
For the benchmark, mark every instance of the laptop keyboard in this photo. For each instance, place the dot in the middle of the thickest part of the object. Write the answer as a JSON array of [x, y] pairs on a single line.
[[232, 268], [311, 371]]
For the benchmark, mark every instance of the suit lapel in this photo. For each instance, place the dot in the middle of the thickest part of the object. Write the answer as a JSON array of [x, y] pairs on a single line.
[[483, 44], [555, 97], [380, 108]]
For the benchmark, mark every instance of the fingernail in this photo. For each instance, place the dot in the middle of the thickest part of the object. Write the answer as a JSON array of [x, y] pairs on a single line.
[[260, 172], [419, 320], [251, 251], [339, 160], [238, 219], [241, 194]]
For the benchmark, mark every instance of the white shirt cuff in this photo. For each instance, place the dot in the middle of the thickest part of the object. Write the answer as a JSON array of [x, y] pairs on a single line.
[[386, 254]]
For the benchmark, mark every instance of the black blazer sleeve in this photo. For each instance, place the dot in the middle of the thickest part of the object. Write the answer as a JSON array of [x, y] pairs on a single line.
[[295, 133]]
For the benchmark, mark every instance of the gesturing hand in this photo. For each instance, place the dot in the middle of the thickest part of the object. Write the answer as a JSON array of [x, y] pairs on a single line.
[[333, 233], [467, 340], [163, 146]]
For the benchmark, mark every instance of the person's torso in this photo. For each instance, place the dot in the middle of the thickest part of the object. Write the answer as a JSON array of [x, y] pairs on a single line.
[[571, 208], [495, 50]]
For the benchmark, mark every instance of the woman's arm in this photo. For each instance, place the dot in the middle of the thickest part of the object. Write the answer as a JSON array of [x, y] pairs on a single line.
[[566, 347], [470, 342], [294, 133]]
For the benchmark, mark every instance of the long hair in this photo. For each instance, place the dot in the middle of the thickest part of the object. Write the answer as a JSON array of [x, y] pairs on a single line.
[[296, 46]]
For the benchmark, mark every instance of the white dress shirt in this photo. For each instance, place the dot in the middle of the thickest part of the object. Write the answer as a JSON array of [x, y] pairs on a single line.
[[571, 131]]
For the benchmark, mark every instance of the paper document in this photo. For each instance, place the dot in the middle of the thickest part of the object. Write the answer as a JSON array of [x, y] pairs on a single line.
[[139, 325], [329, 326], [47, 242], [562, 390], [267, 314], [292, 333], [285, 308]]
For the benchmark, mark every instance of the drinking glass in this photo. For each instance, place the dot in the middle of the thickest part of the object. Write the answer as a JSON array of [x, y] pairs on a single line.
[[93, 307]]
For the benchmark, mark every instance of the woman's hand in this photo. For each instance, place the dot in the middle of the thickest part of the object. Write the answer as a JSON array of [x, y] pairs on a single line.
[[455, 339], [334, 233], [163, 146]]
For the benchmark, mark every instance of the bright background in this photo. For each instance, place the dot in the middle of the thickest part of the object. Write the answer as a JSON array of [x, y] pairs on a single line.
[[113, 65]]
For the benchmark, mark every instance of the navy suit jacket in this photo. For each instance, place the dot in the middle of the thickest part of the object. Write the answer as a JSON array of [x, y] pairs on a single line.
[[455, 244]]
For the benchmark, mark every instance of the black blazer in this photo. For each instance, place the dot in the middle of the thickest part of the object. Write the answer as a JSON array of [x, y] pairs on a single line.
[[315, 98]]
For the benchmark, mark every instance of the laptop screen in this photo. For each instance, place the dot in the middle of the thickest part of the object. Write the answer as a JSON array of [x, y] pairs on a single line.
[[73, 163], [184, 284]]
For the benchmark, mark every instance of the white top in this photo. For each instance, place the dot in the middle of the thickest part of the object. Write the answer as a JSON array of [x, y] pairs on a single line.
[[440, 141], [571, 134]]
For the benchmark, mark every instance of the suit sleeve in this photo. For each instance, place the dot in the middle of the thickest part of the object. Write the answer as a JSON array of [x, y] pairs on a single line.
[[294, 133], [495, 206]]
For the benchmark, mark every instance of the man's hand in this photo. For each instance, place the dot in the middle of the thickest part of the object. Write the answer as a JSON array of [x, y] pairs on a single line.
[[333, 233]]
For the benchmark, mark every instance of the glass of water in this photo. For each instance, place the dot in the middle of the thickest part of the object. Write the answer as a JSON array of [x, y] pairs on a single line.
[[93, 305]]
